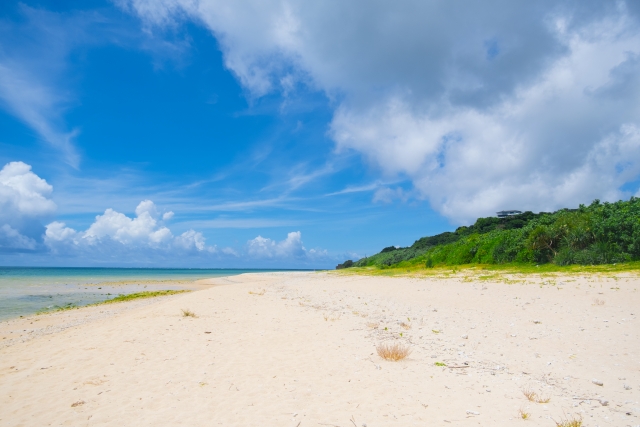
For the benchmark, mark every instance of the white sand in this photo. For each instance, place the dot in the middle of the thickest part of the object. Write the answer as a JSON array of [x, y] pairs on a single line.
[[302, 354]]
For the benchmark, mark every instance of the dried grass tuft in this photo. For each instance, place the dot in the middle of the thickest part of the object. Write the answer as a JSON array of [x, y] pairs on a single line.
[[405, 325], [372, 325], [569, 422], [529, 394], [188, 313], [331, 317], [260, 292], [532, 396], [394, 352], [541, 399]]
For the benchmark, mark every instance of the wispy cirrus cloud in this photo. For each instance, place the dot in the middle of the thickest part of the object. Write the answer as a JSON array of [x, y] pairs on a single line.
[[38, 76], [37, 105], [34, 71], [245, 223]]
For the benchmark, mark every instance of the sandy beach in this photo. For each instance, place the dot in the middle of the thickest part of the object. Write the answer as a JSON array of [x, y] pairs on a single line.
[[299, 349]]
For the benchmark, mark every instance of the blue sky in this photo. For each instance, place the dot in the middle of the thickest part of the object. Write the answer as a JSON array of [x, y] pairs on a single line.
[[205, 133]]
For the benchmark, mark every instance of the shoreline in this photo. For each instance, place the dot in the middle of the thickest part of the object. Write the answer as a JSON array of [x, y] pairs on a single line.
[[26, 291], [300, 349]]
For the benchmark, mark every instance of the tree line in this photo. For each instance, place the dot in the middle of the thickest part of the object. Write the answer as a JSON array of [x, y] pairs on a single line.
[[600, 233]]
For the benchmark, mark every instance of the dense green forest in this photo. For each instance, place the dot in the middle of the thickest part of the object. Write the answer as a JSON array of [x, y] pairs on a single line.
[[601, 233]]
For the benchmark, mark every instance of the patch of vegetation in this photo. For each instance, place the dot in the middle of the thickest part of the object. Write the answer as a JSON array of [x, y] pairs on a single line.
[[188, 313], [569, 422], [119, 298], [523, 414], [440, 364], [393, 352], [598, 234], [532, 396], [142, 295], [347, 264]]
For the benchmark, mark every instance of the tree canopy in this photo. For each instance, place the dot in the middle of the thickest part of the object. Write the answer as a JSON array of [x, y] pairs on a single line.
[[600, 233]]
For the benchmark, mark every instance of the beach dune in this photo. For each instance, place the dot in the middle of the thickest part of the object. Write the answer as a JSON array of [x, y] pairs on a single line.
[[299, 349]]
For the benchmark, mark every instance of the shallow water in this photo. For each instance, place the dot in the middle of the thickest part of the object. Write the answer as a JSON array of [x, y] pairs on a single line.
[[25, 291]]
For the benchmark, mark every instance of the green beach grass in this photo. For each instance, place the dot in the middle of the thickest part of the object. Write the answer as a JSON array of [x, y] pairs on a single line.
[[492, 271], [119, 298]]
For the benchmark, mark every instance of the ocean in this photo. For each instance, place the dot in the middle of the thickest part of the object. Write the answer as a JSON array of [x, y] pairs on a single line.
[[28, 290]]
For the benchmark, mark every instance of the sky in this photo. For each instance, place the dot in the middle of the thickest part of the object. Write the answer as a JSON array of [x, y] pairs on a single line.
[[296, 134]]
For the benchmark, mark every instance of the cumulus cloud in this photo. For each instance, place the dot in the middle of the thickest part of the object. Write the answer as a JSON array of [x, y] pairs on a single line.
[[114, 238], [24, 204], [483, 106], [261, 247], [290, 248], [117, 231]]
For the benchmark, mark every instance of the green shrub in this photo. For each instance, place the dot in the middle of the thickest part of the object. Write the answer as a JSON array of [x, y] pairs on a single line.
[[601, 233]]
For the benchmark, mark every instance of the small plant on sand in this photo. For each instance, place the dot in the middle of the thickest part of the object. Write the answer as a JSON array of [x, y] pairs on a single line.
[[532, 396], [435, 331], [569, 422], [393, 352], [529, 394], [440, 364], [523, 414], [405, 325], [188, 313], [331, 317], [598, 301]]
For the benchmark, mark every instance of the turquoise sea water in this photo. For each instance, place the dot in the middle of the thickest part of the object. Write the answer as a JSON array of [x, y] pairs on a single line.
[[25, 290]]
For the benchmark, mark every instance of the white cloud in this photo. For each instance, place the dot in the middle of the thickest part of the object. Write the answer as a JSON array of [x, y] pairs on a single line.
[[11, 239], [192, 240], [290, 251], [59, 232], [24, 203], [483, 106], [117, 231], [291, 247], [23, 193], [115, 238]]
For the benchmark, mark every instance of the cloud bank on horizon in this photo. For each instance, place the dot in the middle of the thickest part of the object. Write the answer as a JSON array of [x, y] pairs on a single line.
[[482, 106], [114, 238]]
